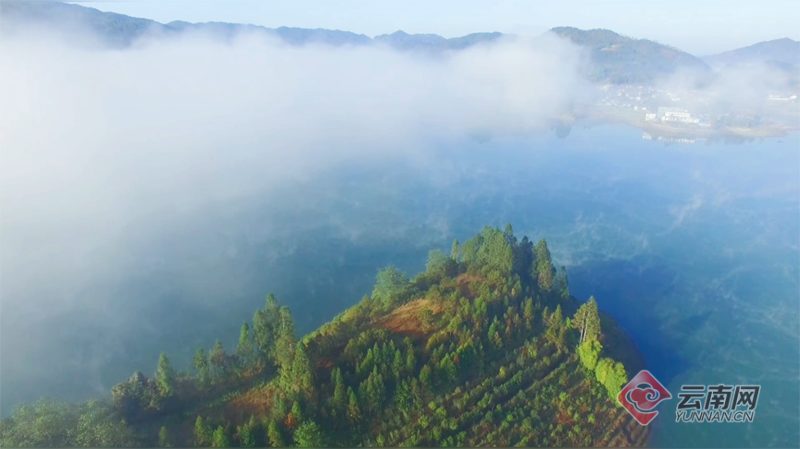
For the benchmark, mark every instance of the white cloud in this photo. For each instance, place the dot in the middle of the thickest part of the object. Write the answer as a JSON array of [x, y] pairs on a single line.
[[106, 152]]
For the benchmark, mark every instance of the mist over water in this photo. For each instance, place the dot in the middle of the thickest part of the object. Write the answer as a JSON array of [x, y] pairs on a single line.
[[149, 204]]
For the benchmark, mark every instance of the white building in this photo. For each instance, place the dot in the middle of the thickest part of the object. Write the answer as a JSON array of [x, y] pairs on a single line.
[[676, 115], [780, 98]]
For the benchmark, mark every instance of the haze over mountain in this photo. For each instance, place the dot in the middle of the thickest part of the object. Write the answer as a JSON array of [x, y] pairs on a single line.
[[611, 57], [785, 51], [622, 60]]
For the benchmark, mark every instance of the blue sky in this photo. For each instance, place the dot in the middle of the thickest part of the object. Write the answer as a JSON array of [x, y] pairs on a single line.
[[699, 27]]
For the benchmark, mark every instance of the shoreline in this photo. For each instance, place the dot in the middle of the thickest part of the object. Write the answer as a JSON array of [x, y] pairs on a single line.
[[681, 131]]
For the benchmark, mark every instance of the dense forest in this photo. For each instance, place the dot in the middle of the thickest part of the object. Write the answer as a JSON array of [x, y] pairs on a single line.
[[486, 347]]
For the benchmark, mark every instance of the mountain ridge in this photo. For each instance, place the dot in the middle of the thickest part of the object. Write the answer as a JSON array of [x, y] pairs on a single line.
[[612, 57], [783, 51]]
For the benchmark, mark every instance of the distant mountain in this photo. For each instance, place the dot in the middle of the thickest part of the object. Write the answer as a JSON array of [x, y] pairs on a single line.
[[120, 31], [117, 30], [401, 40], [779, 52], [620, 60], [293, 36], [613, 58]]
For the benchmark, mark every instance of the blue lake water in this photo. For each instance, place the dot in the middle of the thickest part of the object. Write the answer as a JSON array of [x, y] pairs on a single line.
[[695, 249]]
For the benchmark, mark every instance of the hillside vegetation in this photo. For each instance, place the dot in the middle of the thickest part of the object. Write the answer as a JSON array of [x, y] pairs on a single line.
[[484, 348], [622, 60]]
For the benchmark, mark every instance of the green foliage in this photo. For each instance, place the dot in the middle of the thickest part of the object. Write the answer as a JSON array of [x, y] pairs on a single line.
[[544, 272], [612, 375], [220, 438], [275, 436], [440, 265], [589, 352], [47, 423], [163, 438], [285, 346], [391, 287], [302, 374], [218, 360], [266, 324], [353, 410], [203, 435], [165, 376], [244, 350], [309, 434], [491, 249], [587, 320], [245, 434], [200, 364], [455, 251]]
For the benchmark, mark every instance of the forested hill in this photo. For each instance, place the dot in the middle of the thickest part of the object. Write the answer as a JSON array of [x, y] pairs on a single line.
[[623, 60], [484, 348]]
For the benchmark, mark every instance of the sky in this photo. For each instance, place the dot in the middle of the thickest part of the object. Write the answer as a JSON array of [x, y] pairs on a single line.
[[701, 28]]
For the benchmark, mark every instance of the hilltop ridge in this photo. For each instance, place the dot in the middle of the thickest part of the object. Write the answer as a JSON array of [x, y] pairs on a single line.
[[485, 347]]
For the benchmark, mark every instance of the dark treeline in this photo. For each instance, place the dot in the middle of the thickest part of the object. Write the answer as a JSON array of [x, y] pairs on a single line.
[[485, 347]]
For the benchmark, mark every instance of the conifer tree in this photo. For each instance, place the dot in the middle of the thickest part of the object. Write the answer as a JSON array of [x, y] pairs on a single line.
[[353, 410], [587, 320], [163, 438], [165, 377], [544, 270], [339, 399], [200, 363], [528, 313], [285, 346], [309, 434], [218, 359], [221, 438], [245, 434], [266, 324], [203, 435], [274, 435], [244, 350], [302, 374]]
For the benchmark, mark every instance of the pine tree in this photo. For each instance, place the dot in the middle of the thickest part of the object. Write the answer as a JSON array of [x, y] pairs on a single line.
[[245, 434], [203, 435], [163, 438], [309, 434], [544, 270], [266, 324], [587, 320], [285, 346], [221, 438], [302, 373], [397, 364], [245, 348], [339, 398], [528, 313], [562, 282], [218, 359], [455, 253], [200, 364], [411, 362], [165, 377], [353, 410], [274, 435]]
